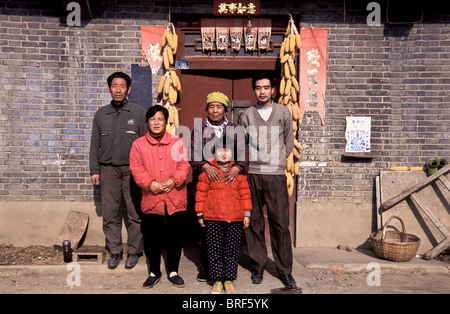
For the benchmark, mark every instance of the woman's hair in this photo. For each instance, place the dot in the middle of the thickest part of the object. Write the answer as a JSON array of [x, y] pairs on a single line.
[[154, 109]]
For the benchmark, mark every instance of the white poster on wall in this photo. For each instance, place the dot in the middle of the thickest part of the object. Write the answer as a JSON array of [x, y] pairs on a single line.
[[357, 134]]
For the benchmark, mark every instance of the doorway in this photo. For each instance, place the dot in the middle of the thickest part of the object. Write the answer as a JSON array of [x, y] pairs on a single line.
[[197, 84], [231, 75]]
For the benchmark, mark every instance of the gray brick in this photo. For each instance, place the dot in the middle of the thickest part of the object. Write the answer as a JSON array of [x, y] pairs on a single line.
[[400, 79]]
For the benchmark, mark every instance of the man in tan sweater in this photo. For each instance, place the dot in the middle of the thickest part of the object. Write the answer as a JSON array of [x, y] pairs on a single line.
[[268, 126]]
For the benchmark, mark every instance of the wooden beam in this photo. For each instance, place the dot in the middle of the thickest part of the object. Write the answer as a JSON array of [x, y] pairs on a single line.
[[395, 200], [243, 63], [430, 215], [437, 249]]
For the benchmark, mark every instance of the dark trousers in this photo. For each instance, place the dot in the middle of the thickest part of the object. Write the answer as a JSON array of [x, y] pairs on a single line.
[[223, 242], [117, 185], [157, 228], [269, 190]]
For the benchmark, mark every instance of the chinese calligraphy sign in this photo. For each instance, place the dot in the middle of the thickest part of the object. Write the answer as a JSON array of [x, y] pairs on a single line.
[[313, 71], [237, 7]]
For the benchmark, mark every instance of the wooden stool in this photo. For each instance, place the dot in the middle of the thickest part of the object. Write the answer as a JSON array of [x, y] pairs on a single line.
[[88, 255]]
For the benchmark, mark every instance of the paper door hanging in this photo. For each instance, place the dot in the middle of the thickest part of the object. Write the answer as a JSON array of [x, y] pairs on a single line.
[[250, 34], [236, 27], [222, 32], [208, 30], [264, 31], [217, 34]]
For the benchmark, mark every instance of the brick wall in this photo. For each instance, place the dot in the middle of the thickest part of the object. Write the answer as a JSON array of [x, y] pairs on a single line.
[[53, 79], [396, 74]]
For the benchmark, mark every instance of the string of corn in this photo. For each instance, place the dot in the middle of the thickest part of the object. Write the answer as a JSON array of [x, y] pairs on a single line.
[[169, 85], [289, 89]]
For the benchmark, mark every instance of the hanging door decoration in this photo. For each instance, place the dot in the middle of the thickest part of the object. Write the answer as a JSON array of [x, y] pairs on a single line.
[[313, 71], [236, 27], [251, 33], [264, 32], [208, 34], [222, 32], [218, 33]]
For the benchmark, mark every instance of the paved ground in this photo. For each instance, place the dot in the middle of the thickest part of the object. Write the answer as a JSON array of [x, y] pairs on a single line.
[[317, 271]]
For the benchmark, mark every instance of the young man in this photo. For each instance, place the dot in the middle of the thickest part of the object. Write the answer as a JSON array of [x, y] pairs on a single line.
[[269, 129], [114, 129]]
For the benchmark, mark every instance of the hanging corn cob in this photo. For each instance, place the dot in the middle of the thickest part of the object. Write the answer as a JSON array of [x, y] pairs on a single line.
[[170, 85], [289, 89]]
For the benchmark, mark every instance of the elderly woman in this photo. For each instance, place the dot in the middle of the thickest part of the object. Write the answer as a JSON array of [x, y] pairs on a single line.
[[203, 138], [159, 165]]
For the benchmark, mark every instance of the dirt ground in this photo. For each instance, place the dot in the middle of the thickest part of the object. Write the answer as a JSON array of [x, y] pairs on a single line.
[[47, 255], [98, 279], [34, 255]]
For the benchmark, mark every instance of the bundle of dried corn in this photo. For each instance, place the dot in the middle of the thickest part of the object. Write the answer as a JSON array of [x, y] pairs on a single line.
[[289, 89], [170, 85]]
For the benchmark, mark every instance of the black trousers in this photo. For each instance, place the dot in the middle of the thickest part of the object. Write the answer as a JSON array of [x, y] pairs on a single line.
[[157, 229], [117, 185], [223, 240], [269, 190]]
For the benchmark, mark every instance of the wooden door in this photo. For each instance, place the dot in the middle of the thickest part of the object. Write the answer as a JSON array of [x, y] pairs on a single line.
[[197, 84]]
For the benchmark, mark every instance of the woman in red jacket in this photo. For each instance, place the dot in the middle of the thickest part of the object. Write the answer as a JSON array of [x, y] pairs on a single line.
[[160, 167], [223, 208]]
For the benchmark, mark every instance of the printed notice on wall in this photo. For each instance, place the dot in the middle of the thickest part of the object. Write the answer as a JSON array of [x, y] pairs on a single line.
[[357, 134]]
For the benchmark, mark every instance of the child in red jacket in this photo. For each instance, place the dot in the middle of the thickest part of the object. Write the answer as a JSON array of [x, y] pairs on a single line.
[[224, 209]]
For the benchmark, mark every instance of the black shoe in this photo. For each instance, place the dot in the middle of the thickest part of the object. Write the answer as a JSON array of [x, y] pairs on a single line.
[[177, 281], [202, 277], [152, 280], [257, 277], [131, 261], [288, 281], [114, 261]]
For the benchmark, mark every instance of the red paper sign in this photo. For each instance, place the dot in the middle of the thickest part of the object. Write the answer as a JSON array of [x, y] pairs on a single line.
[[237, 8], [313, 71], [151, 37]]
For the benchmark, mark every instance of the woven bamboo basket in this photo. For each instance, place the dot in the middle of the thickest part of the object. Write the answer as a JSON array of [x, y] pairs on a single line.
[[395, 245]]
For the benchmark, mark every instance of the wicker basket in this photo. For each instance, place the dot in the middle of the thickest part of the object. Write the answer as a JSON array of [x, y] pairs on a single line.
[[395, 245]]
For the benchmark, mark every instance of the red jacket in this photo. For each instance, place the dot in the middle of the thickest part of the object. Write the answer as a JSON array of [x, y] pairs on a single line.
[[152, 160], [220, 201]]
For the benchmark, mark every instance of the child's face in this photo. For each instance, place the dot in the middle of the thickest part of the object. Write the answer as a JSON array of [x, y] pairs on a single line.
[[223, 154]]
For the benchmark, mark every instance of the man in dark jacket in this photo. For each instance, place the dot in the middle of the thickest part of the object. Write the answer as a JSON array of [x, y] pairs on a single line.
[[114, 129]]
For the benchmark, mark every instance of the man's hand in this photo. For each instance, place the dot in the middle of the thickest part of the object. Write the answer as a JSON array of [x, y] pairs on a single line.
[[95, 179], [231, 175], [246, 222], [212, 173]]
